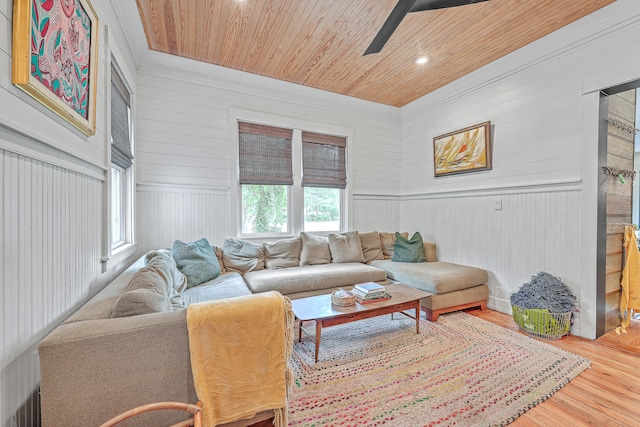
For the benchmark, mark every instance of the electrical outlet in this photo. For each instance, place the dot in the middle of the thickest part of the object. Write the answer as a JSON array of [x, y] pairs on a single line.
[[498, 205]]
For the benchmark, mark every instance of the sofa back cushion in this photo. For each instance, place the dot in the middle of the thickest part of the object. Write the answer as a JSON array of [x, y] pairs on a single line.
[[345, 247], [283, 253], [371, 246], [242, 256], [218, 252], [147, 292], [387, 240], [430, 252], [164, 263], [315, 249]]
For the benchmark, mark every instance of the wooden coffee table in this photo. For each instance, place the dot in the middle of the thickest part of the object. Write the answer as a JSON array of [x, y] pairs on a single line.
[[320, 309]]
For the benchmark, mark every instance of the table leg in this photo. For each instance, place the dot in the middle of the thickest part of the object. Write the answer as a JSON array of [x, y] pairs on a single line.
[[418, 317], [318, 331], [299, 330]]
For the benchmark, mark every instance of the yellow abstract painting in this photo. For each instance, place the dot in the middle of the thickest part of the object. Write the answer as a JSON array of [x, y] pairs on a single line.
[[464, 150]]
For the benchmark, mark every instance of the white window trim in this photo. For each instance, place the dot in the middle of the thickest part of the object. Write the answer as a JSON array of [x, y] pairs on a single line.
[[115, 256], [238, 115]]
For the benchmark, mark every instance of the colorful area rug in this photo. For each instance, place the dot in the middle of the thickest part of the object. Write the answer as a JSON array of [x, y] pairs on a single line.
[[461, 371]]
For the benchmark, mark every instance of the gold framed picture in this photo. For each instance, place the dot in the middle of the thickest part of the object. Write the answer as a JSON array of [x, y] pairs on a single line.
[[465, 150], [55, 57]]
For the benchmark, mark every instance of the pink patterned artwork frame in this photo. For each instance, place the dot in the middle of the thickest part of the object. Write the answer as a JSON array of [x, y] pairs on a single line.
[[55, 57]]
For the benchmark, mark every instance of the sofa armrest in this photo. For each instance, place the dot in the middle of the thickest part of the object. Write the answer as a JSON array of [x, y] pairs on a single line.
[[430, 252], [95, 369]]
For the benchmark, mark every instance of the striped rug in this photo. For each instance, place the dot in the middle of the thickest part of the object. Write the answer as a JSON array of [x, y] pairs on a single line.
[[460, 371]]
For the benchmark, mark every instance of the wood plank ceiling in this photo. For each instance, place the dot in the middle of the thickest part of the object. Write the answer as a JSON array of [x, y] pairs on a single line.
[[321, 43]]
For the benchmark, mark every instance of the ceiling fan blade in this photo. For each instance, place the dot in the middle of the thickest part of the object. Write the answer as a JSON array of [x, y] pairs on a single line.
[[397, 15], [421, 5]]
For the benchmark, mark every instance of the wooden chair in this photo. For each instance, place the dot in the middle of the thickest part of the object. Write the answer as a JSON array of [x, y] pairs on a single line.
[[195, 410]]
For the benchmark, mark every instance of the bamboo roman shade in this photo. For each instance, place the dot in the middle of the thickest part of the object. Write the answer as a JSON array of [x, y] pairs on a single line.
[[265, 154], [120, 138], [323, 160]]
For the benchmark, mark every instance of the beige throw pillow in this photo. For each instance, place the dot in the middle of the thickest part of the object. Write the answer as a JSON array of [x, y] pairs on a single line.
[[147, 292], [387, 241], [283, 253], [315, 249], [164, 264], [346, 247], [371, 246], [242, 256]]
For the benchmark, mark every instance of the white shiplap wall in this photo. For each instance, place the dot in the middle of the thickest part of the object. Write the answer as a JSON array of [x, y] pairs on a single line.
[[166, 213], [183, 150], [541, 102], [50, 261], [533, 231], [52, 218]]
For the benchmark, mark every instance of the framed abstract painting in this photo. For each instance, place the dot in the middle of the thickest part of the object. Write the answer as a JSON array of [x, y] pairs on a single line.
[[465, 150], [55, 57]]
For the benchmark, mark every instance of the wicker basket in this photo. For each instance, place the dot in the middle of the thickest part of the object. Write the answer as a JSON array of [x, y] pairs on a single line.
[[541, 323], [350, 299]]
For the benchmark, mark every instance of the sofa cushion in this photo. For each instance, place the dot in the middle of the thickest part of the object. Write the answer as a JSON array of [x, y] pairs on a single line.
[[196, 260], [371, 246], [283, 253], [435, 277], [312, 277], [315, 249], [409, 250], [164, 263], [241, 256], [148, 292], [345, 247], [218, 252], [227, 285], [387, 240]]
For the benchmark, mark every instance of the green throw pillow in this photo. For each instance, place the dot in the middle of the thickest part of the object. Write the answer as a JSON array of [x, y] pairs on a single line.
[[196, 260], [408, 250]]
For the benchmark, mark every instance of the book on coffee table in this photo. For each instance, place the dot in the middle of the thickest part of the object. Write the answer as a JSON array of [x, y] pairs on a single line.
[[369, 287], [361, 300], [371, 295]]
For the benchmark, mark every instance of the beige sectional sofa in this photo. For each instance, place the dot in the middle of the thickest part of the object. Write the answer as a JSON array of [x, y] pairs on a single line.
[[128, 345]]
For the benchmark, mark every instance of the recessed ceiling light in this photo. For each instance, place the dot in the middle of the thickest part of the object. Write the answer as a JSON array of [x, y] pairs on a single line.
[[422, 60]]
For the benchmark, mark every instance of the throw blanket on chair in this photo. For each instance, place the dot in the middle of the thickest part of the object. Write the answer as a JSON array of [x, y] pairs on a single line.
[[240, 349]]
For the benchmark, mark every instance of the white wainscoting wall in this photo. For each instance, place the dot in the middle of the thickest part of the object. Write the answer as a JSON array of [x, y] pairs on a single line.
[[534, 230], [51, 233], [166, 213], [376, 213]]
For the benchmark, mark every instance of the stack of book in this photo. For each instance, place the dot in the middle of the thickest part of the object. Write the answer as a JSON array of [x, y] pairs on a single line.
[[369, 292]]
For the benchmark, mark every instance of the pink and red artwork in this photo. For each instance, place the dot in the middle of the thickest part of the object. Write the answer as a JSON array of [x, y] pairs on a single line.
[[61, 51]]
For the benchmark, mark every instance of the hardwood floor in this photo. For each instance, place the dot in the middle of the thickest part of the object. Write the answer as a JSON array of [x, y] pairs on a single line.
[[605, 395]]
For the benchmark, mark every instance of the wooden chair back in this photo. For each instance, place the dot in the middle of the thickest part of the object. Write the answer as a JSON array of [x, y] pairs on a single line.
[[195, 410]]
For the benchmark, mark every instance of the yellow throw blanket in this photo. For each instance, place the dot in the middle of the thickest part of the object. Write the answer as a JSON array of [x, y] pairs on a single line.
[[630, 298], [240, 349]]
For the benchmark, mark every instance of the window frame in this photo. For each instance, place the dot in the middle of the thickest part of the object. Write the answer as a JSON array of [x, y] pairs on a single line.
[[117, 251], [296, 191]]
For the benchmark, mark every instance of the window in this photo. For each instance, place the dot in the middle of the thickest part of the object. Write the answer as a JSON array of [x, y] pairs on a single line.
[[266, 173], [290, 180], [324, 175], [121, 194]]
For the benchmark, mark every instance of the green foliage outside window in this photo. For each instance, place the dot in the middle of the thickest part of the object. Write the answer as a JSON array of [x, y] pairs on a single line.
[[264, 208], [321, 204]]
